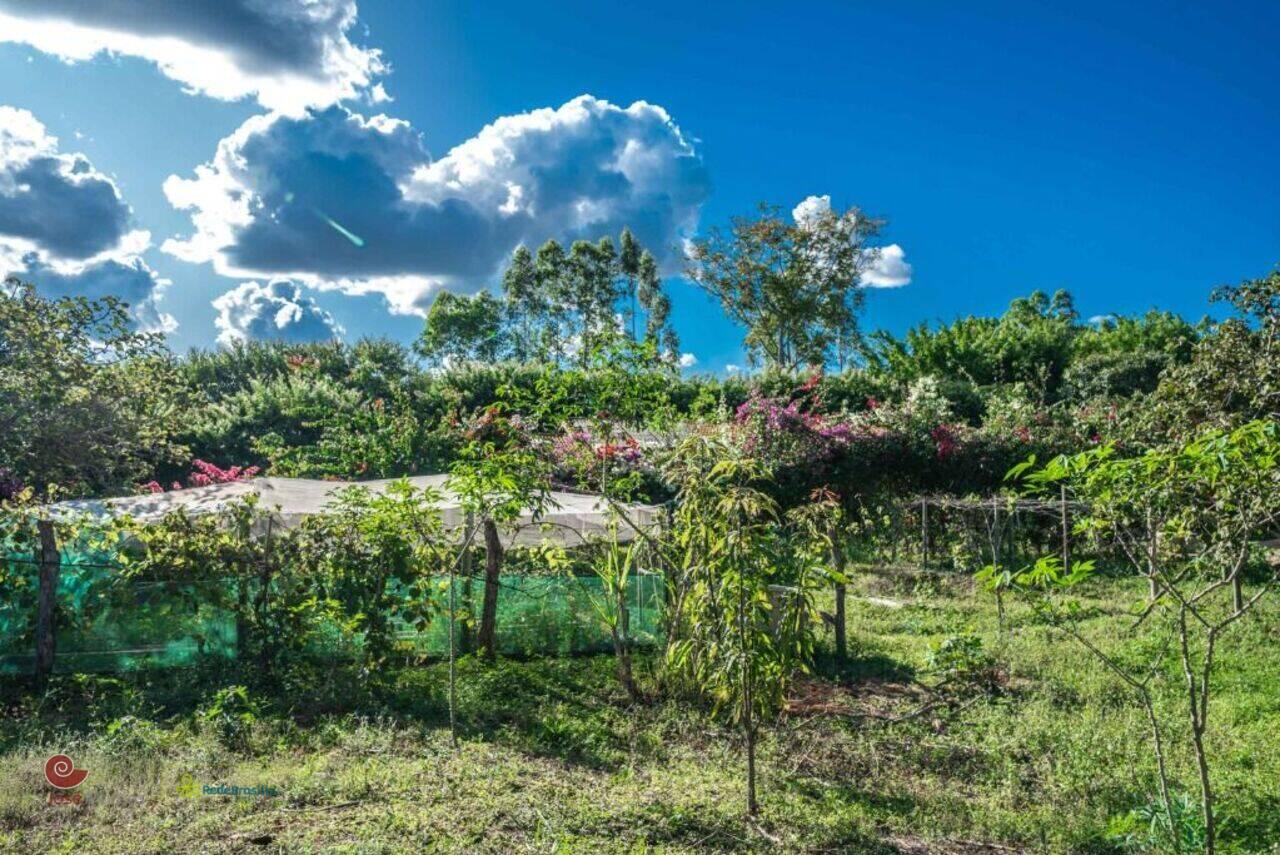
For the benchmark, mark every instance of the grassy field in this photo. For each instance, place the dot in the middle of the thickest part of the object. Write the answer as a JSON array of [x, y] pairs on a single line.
[[553, 759]]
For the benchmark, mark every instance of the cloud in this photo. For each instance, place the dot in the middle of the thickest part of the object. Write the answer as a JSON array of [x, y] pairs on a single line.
[[128, 279], [52, 200], [357, 204], [277, 311], [65, 228], [687, 360], [287, 54], [810, 209], [887, 266]]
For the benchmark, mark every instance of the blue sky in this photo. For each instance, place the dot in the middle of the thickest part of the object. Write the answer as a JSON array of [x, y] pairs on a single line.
[[1127, 154]]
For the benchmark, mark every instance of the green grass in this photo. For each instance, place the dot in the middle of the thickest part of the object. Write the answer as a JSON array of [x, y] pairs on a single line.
[[553, 759]]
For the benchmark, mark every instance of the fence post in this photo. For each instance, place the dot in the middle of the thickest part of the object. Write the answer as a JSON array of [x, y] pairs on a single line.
[[924, 533], [465, 639], [1065, 540], [997, 541], [50, 565]]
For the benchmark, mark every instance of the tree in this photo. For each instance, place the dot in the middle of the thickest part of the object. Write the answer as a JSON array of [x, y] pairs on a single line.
[[376, 554], [630, 257], [528, 307], [732, 640], [590, 291], [463, 329], [1233, 375], [794, 285], [86, 402], [1031, 343], [497, 478], [657, 307], [1187, 518]]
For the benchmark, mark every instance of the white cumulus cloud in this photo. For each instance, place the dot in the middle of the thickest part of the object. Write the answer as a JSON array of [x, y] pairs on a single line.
[[277, 311], [54, 200], [342, 201], [811, 208], [687, 360], [64, 226], [289, 54], [886, 267]]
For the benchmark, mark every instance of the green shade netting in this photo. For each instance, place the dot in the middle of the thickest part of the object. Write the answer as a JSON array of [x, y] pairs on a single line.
[[107, 622]]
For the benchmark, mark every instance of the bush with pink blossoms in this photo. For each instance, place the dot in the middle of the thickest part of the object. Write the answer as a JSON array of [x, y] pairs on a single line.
[[582, 461], [204, 474]]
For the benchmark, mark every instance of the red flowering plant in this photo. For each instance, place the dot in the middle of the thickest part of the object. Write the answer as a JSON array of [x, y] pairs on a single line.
[[205, 474], [583, 461]]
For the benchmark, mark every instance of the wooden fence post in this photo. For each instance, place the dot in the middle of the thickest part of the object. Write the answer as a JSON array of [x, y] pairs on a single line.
[[924, 533], [997, 542], [1065, 540], [46, 622], [465, 640]]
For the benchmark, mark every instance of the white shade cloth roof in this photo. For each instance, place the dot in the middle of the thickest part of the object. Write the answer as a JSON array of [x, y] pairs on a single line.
[[570, 519]]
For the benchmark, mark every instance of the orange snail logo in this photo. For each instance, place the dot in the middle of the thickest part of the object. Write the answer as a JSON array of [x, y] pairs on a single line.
[[62, 773]]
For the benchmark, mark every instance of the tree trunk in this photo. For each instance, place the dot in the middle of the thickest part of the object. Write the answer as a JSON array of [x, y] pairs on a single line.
[[1206, 790], [46, 621], [486, 639], [748, 707], [842, 641], [453, 655], [622, 652], [1198, 709]]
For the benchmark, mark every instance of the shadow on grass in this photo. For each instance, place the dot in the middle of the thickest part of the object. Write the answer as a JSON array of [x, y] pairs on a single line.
[[861, 667], [570, 709]]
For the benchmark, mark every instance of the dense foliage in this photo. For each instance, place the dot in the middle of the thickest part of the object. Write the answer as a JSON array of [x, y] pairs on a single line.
[[1162, 433]]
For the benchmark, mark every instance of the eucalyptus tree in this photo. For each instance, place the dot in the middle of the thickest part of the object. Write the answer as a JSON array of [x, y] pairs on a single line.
[[794, 284], [630, 255], [591, 293], [528, 307], [657, 306], [568, 302]]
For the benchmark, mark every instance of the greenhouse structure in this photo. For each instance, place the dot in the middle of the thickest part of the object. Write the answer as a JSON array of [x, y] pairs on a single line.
[[109, 622]]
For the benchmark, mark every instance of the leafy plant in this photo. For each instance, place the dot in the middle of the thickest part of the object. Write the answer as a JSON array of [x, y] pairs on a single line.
[[1187, 518], [1176, 826]]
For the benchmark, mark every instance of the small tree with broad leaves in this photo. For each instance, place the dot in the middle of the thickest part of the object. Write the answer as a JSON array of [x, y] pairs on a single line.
[[1188, 519]]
